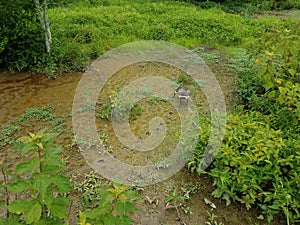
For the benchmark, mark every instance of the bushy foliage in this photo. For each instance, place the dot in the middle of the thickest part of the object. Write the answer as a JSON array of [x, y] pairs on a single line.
[[255, 165], [237, 5], [35, 190], [84, 31], [271, 85], [22, 44], [116, 202], [38, 181], [258, 162]]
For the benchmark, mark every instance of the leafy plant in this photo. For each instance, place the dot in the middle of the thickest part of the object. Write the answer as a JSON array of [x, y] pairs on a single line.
[[21, 37], [279, 72], [6, 134], [177, 201], [89, 188], [119, 108], [40, 182], [155, 100], [255, 165], [114, 207], [212, 219], [42, 115]]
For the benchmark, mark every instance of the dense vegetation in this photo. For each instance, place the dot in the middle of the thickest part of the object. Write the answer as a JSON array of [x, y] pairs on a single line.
[[84, 30], [259, 161]]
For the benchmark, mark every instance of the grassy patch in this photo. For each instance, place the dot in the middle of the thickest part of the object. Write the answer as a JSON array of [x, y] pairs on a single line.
[[84, 31]]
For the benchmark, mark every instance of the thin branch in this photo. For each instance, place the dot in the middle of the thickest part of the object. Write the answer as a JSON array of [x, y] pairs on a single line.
[[44, 21], [6, 190]]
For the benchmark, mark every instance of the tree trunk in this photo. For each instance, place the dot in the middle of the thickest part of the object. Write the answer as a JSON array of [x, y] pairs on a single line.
[[44, 21]]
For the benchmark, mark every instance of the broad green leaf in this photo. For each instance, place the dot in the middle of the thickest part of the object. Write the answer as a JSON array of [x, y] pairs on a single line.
[[62, 183], [18, 186], [28, 147], [289, 85], [125, 220], [272, 94], [51, 150], [103, 208], [24, 139], [120, 207], [13, 219], [282, 90], [217, 193], [29, 166], [48, 197], [292, 72], [18, 206], [50, 138], [54, 160], [132, 195], [40, 183], [226, 197], [49, 169], [34, 212], [269, 85], [109, 219], [43, 221], [59, 207]]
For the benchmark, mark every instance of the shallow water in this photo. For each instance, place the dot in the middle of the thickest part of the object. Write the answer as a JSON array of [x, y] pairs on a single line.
[[20, 91]]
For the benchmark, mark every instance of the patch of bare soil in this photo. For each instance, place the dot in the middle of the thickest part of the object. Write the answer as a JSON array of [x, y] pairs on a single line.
[[184, 198]]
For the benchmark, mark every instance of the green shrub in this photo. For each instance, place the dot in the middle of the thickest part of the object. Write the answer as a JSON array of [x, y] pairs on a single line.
[[255, 165], [116, 202], [82, 31], [34, 190], [277, 59], [22, 42], [37, 182], [120, 108]]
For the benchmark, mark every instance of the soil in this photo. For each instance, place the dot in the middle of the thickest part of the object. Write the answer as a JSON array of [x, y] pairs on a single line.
[[284, 14], [20, 91]]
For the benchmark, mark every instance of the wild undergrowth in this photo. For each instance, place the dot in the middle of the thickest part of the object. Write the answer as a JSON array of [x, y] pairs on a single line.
[[35, 189], [32, 119], [83, 30], [258, 162]]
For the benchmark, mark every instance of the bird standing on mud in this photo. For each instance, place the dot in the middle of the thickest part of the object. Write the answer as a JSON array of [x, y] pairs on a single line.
[[183, 94]]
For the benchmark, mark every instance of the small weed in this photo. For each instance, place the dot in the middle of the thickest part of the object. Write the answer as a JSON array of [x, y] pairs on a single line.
[[42, 115], [212, 219], [177, 201], [183, 79], [89, 188], [119, 108], [144, 91], [116, 202], [6, 134], [155, 100], [102, 138]]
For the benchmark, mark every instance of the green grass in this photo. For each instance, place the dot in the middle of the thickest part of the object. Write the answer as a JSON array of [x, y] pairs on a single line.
[[83, 31]]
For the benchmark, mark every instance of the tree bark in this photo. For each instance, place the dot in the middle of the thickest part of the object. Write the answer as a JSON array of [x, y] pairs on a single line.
[[44, 21]]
